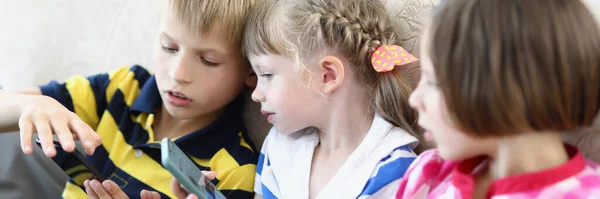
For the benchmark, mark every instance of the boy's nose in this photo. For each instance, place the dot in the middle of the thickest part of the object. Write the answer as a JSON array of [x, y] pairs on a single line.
[[179, 73]]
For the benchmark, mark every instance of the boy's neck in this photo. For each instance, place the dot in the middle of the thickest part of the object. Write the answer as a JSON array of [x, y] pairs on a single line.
[[165, 125], [527, 153]]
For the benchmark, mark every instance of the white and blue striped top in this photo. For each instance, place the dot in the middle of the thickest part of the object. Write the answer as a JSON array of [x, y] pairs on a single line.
[[373, 170]]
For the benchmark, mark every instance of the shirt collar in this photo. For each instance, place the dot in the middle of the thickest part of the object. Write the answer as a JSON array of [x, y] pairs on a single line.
[[207, 141], [463, 178], [149, 98]]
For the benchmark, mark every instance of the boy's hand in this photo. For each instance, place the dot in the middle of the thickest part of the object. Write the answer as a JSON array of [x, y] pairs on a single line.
[[177, 189], [105, 190], [46, 116]]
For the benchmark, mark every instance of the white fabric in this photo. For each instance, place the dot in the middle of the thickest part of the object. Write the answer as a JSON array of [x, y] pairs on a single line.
[[286, 162]]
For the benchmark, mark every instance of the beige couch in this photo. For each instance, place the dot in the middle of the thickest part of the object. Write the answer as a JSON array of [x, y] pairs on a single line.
[[44, 40]]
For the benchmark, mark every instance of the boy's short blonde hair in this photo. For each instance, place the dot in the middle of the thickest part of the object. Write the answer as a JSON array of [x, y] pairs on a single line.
[[201, 16]]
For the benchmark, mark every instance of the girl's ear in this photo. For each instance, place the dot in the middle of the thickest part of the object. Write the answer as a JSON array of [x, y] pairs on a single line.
[[332, 73]]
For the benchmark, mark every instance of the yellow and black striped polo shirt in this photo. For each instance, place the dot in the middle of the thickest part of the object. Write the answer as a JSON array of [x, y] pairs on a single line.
[[121, 105]]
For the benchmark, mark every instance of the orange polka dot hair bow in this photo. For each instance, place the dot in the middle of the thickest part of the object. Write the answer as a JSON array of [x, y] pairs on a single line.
[[386, 57]]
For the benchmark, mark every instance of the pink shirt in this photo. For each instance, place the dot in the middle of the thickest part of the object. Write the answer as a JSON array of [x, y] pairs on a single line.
[[432, 177]]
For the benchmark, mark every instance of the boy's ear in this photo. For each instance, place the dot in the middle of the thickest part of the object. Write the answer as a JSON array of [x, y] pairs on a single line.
[[251, 79], [332, 75]]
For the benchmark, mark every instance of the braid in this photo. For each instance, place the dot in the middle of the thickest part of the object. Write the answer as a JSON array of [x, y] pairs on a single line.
[[360, 34], [354, 29]]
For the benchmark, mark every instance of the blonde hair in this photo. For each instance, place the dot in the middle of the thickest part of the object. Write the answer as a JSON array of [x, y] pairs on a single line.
[[354, 28], [201, 16]]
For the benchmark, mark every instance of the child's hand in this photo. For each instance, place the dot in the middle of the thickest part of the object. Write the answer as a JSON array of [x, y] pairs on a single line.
[[47, 116], [179, 191], [105, 190]]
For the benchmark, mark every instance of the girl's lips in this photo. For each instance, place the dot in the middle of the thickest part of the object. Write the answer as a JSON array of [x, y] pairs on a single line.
[[428, 136], [269, 115]]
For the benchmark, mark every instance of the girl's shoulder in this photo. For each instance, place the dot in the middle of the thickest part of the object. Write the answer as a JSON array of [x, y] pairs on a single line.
[[430, 165], [590, 176], [584, 184], [428, 171]]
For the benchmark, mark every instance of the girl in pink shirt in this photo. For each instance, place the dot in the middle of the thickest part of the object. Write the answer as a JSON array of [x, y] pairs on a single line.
[[500, 80]]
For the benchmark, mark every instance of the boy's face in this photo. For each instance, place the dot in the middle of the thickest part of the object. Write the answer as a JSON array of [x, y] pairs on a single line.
[[197, 75]]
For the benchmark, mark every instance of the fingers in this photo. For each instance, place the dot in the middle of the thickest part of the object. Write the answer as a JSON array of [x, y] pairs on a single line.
[[149, 194], [89, 139], [45, 134], [113, 190], [99, 190], [62, 131], [211, 175], [192, 196], [26, 128], [89, 190], [46, 117], [105, 190], [178, 191]]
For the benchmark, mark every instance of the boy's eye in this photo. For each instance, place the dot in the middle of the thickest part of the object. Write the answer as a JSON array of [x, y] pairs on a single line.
[[267, 76], [208, 63], [169, 49]]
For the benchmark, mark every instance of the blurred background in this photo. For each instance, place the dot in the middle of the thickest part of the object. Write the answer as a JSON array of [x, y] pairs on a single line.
[[43, 40]]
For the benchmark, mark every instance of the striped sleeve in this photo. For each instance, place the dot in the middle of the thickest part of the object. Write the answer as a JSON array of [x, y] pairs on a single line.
[[386, 178], [81, 95], [88, 96]]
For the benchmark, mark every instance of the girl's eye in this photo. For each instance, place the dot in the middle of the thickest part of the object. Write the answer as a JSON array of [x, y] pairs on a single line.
[[432, 84], [266, 76]]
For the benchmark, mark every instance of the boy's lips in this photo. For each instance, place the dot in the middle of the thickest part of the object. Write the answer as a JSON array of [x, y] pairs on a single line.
[[177, 98]]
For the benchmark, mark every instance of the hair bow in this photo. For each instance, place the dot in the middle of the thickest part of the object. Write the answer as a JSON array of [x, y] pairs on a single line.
[[386, 57]]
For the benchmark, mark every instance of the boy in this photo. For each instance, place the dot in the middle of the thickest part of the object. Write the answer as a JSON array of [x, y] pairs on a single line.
[[194, 97]]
